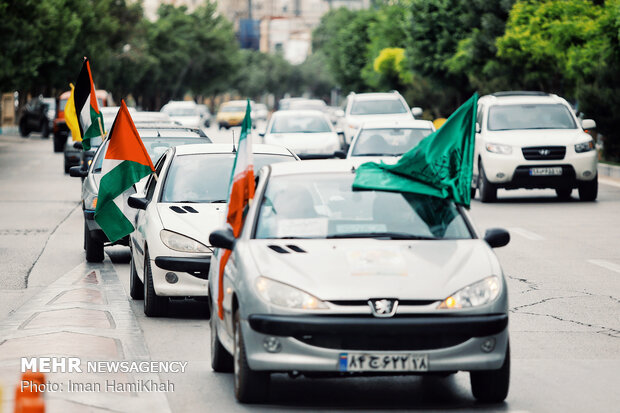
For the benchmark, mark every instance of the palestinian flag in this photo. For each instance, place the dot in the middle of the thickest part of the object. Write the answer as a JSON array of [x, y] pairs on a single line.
[[89, 117], [126, 162], [241, 193]]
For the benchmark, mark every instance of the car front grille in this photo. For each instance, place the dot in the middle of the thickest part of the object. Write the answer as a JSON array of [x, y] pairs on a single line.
[[544, 153], [383, 342]]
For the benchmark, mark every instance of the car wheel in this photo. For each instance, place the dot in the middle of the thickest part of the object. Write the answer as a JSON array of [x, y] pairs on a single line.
[[250, 386], [59, 143], [219, 126], [221, 360], [136, 287], [154, 305], [563, 193], [473, 192], [23, 129], [67, 166], [491, 386], [93, 247], [588, 190], [488, 191], [45, 130]]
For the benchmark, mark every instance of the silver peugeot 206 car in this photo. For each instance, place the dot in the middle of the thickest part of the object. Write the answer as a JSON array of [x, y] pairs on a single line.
[[325, 280]]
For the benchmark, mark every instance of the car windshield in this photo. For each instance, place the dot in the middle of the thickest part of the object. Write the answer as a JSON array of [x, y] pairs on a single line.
[[286, 123], [205, 177], [325, 206], [389, 141], [542, 116], [233, 108], [61, 104], [155, 147], [377, 107], [182, 112], [308, 105]]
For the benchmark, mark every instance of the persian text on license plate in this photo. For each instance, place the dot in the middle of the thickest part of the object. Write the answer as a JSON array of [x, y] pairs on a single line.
[[383, 362], [546, 171]]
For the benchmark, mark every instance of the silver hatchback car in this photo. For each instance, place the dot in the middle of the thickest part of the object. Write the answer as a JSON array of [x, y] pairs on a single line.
[[325, 280]]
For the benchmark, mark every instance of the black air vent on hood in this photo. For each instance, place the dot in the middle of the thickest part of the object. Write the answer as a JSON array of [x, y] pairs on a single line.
[[296, 248], [190, 209], [178, 210], [278, 249]]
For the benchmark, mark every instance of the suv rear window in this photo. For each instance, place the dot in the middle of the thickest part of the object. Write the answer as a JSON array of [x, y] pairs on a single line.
[[378, 107], [536, 116]]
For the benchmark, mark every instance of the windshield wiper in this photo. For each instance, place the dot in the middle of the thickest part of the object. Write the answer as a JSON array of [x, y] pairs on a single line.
[[390, 235], [219, 201], [374, 154]]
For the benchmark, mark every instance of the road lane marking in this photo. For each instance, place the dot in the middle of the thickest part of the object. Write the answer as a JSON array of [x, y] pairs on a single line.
[[606, 264], [526, 234], [609, 181]]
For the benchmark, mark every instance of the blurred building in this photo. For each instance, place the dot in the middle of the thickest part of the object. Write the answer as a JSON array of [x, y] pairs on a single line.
[[271, 26]]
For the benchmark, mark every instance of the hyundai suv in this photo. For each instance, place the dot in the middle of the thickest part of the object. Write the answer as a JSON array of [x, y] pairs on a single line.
[[533, 140]]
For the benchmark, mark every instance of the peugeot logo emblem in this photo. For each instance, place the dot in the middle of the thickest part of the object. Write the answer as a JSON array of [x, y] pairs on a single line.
[[544, 152], [383, 307]]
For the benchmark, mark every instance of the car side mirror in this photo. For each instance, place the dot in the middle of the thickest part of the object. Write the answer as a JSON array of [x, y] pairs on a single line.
[[78, 145], [416, 112], [340, 154], [78, 172], [588, 124], [223, 238], [497, 237], [339, 113], [478, 128], [261, 134], [137, 202]]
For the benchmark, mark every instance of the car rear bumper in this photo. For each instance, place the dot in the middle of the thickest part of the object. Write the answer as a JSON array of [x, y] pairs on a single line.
[[316, 343]]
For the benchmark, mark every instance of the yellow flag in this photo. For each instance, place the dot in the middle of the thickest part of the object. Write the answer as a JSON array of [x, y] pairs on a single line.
[[71, 117]]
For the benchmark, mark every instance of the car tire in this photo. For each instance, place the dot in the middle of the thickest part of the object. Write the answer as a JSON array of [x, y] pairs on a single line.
[[136, 287], [588, 190], [23, 129], [488, 191], [93, 247], [563, 193], [45, 130], [67, 166], [250, 386], [473, 192], [154, 305], [221, 360], [219, 126], [491, 386], [59, 143]]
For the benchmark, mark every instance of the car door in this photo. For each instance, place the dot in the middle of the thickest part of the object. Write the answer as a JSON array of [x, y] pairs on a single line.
[[478, 140]]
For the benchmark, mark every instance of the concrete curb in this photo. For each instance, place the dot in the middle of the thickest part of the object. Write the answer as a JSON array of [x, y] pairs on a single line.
[[611, 171]]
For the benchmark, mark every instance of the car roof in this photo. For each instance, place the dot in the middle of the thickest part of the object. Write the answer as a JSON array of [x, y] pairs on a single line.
[[376, 96], [408, 123], [227, 148], [316, 166], [298, 112], [517, 98], [168, 131], [188, 103]]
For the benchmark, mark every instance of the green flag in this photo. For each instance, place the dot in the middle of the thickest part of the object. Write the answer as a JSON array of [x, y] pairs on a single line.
[[441, 165]]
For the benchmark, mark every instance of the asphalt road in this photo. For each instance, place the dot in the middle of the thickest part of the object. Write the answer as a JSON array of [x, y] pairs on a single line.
[[563, 269]]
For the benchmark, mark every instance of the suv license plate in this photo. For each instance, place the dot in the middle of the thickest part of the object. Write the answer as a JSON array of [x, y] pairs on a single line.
[[383, 362], [546, 171]]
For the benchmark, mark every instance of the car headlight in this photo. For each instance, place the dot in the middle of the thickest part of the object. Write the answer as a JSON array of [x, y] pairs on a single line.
[[181, 243], [90, 202], [480, 293], [501, 149], [284, 295], [584, 146]]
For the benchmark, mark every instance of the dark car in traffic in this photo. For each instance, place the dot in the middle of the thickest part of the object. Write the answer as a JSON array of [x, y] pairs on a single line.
[[37, 116]]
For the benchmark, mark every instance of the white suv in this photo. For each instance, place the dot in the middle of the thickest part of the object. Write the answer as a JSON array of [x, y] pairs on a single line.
[[532, 140], [363, 107]]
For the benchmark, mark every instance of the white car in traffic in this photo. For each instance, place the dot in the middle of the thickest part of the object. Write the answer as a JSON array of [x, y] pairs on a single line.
[[186, 113], [388, 138], [170, 250], [308, 133], [533, 140]]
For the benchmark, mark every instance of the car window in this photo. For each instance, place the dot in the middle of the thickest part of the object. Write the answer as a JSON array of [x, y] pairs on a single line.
[[325, 206], [152, 182], [285, 123], [389, 141], [536, 116], [378, 107], [206, 177], [62, 104], [233, 108]]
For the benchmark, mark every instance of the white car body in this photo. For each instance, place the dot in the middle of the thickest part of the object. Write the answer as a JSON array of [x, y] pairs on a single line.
[[185, 113], [345, 279], [190, 219], [378, 125], [306, 144], [352, 121], [501, 154]]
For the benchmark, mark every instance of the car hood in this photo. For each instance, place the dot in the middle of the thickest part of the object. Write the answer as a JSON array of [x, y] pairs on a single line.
[[306, 142], [360, 269], [197, 225], [537, 137]]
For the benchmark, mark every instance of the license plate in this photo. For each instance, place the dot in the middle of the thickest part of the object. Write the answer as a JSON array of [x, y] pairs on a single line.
[[383, 362], [545, 171]]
